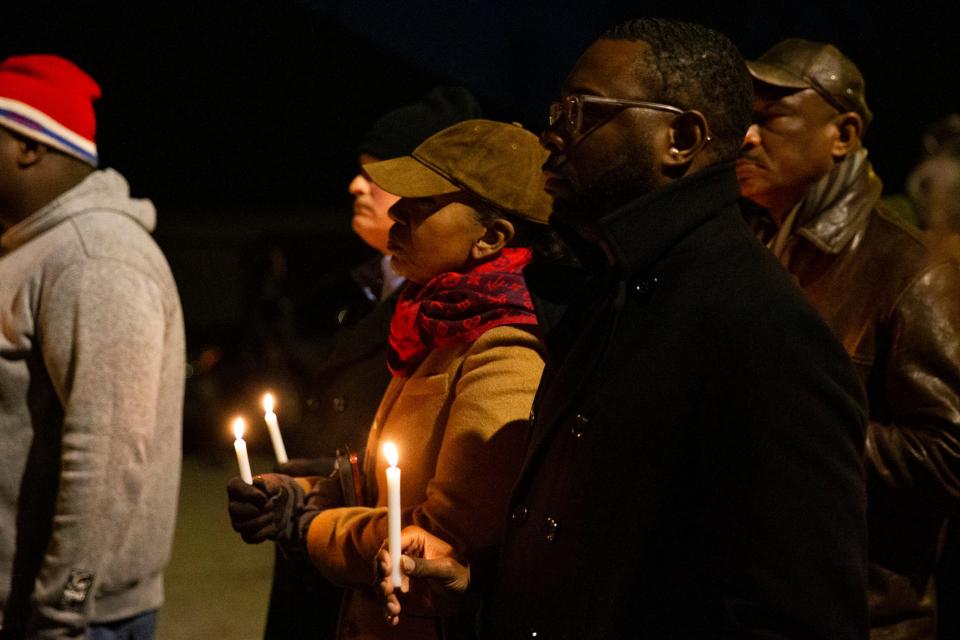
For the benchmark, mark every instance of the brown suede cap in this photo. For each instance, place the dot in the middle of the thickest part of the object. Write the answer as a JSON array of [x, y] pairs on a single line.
[[496, 162], [802, 64]]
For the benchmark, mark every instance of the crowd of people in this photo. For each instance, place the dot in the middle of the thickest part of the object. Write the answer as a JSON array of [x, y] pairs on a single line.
[[672, 368]]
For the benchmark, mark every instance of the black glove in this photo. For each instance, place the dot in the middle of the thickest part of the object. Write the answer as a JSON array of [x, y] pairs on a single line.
[[266, 510]]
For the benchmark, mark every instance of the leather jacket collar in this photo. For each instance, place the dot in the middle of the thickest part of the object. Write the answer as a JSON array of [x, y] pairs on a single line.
[[838, 207]]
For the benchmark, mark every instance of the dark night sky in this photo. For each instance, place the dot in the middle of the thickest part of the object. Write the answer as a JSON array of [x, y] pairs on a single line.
[[217, 103], [239, 117]]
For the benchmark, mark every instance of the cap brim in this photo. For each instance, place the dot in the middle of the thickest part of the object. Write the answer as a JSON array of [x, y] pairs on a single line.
[[776, 76], [407, 177]]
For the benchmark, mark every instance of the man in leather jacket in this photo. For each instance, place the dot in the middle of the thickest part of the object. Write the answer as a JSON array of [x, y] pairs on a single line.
[[893, 304]]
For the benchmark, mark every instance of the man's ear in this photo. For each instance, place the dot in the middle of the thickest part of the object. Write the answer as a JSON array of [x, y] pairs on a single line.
[[849, 128], [29, 152], [687, 136], [497, 235]]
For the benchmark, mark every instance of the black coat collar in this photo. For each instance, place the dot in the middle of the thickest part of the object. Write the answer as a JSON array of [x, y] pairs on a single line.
[[637, 235], [641, 232]]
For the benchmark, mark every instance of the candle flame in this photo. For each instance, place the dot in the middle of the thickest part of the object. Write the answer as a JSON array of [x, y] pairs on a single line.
[[238, 426], [390, 452], [268, 402]]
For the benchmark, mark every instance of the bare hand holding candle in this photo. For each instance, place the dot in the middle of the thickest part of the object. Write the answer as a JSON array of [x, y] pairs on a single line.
[[241, 448], [274, 427], [393, 510]]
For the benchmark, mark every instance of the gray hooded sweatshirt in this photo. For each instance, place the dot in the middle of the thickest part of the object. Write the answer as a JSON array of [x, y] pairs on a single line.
[[91, 398]]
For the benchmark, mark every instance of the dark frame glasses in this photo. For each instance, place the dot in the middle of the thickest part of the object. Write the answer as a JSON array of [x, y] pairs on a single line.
[[569, 110]]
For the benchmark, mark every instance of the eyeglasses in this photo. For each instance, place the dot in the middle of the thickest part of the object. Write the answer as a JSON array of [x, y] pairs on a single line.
[[568, 113]]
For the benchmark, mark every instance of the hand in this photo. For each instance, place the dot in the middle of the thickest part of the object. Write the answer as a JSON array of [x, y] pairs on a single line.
[[423, 556], [264, 510]]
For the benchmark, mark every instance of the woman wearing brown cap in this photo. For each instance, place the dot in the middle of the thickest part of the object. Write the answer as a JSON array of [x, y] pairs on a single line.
[[347, 375], [466, 362]]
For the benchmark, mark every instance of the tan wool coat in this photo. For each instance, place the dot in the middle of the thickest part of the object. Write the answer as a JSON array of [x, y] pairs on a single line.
[[460, 423]]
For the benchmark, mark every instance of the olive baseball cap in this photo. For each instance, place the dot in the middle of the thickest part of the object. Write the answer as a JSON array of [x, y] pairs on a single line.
[[796, 63], [499, 163]]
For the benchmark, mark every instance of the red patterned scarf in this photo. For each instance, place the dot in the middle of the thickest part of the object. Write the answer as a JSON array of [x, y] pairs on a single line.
[[455, 308]]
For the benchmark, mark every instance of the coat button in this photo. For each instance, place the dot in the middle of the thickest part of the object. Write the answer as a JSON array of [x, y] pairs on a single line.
[[643, 286], [519, 514], [339, 404], [579, 426], [533, 633], [553, 527]]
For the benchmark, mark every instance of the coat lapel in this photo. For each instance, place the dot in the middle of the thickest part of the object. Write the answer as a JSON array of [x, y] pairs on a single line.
[[373, 440]]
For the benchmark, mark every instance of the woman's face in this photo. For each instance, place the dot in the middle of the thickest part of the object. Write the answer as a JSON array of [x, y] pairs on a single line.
[[433, 235]]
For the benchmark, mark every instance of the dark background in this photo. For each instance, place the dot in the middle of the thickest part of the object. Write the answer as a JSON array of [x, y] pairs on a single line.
[[239, 118], [241, 103]]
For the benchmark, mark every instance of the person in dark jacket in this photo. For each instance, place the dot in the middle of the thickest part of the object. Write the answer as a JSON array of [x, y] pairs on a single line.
[[893, 303], [348, 372], [695, 465]]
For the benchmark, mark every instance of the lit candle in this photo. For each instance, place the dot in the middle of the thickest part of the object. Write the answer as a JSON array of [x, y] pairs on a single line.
[[241, 447], [274, 427], [393, 509]]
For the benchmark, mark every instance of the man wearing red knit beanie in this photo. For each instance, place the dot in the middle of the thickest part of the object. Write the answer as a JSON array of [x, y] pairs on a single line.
[[91, 373]]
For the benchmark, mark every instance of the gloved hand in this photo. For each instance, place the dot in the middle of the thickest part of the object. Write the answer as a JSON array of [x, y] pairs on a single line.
[[266, 510]]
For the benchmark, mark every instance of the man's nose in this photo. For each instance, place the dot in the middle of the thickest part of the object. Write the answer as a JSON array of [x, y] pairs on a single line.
[[751, 138], [552, 141], [359, 185]]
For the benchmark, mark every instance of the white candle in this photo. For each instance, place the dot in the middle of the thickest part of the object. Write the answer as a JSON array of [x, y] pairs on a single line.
[[393, 509], [241, 448], [274, 427]]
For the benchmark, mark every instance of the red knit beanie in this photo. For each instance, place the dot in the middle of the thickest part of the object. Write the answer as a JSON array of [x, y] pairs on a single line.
[[50, 99]]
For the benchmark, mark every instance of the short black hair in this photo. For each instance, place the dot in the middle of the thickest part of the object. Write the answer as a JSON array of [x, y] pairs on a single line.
[[697, 68]]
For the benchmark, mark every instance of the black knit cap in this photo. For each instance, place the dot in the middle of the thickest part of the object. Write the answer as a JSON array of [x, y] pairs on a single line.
[[399, 132]]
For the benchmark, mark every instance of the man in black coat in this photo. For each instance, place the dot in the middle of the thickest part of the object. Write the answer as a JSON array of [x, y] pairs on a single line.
[[695, 465]]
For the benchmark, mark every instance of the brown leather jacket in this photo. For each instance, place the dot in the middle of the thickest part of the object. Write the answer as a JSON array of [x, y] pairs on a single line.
[[896, 308]]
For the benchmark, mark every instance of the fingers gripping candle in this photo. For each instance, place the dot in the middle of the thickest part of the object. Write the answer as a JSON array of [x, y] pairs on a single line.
[[241, 448], [273, 426], [393, 510]]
